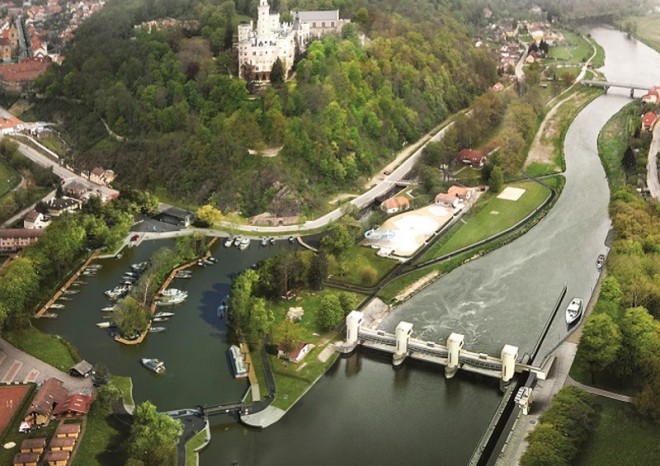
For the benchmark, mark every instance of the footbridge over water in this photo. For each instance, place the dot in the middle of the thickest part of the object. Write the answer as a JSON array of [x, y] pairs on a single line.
[[452, 355], [607, 84]]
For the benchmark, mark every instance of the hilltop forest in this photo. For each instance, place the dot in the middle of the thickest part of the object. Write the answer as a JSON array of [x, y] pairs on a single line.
[[186, 122]]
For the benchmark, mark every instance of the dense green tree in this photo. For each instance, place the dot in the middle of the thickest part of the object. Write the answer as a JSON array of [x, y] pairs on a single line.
[[154, 437], [330, 313], [277, 76], [338, 241], [240, 298], [600, 343], [318, 271], [496, 181]]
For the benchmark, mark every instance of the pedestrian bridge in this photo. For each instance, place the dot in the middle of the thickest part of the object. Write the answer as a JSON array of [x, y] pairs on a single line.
[[452, 355]]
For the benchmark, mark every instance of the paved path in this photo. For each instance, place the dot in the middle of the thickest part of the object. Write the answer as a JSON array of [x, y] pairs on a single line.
[[25, 211], [17, 366], [599, 392]]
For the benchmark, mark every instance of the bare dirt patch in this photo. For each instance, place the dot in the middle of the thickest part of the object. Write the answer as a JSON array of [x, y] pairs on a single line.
[[10, 400]]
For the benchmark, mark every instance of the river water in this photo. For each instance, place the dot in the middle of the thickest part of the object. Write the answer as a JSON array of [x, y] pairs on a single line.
[[363, 412]]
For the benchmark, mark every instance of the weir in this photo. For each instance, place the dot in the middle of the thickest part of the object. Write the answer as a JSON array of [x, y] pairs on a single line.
[[452, 355]]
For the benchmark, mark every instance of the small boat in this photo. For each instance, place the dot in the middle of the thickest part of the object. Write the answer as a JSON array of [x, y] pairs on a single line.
[[600, 261], [157, 329], [63, 298], [183, 274], [160, 319], [574, 310], [106, 324], [237, 361], [222, 309], [72, 291], [291, 239], [228, 241], [271, 240], [237, 240], [208, 261], [94, 266], [212, 259], [56, 306], [155, 365], [163, 314], [49, 315], [201, 263], [244, 244], [140, 266], [131, 274], [264, 242], [108, 309]]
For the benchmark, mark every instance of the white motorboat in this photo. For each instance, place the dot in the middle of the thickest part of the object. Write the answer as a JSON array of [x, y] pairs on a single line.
[[264, 242], [228, 242], [574, 310], [157, 329], [160, 319], [154, 364], [56, 306], [108, 309], [163, 314], [244, 244], [105, 324]]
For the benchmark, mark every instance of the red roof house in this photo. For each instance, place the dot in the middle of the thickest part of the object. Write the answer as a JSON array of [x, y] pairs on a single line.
[[395, 204], [74, 405], [473, 157], [648, 120], [51, 393], [652, 96]]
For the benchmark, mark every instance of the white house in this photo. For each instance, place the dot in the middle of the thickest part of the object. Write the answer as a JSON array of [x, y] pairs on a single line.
[[297, 354], [36, 220]]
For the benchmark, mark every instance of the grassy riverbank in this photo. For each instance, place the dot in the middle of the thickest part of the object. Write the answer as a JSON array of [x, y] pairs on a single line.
[[647, 29], [193, 445], [52, 349], [621, 437]]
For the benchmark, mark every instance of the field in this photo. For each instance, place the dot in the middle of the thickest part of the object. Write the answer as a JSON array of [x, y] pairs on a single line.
[[648, 29], [621, 437], [578, 49], [491, 215], [360, 266], [9, 179], [49, 348], [11, 398]]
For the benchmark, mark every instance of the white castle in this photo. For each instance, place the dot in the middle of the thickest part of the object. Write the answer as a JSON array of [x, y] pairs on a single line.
[[259, 48]]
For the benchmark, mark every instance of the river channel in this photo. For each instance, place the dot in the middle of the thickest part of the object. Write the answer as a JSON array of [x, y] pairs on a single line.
[[363, 412]]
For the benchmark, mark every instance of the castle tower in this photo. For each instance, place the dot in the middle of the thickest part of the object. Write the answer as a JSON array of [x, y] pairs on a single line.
[[263, 19]]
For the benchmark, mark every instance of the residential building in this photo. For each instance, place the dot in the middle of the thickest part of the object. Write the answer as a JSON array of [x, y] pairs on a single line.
[[460, 192], [50, 394], [14, 239], [67, 430], [17, 78], [475, 158], [101, 176], [62, 444], [648, 120], [56, 458], [58, 206], [297, 354], [36, 220], [321, 22], [448, 200], [26, 459], [33, 445], [76, 405], [652, 96], [76, 190], [395, 204], [177, 216]]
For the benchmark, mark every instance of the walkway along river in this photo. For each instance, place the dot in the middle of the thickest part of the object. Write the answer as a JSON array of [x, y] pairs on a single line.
[[364, 412]]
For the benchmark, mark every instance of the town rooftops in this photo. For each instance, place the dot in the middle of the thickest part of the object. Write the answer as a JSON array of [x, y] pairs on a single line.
[[82, 369], [458, 191], [32, 216], [20, 233], [648, 119], [56, 456], [61, 443], [24, 71], [64, 430], [98, 171], [177, 213], [26, 458], [62, 203], [472, 156], [444, 198], [33, 443]]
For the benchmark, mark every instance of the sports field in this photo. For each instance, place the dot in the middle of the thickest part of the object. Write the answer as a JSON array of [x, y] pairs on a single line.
[[11, 397]]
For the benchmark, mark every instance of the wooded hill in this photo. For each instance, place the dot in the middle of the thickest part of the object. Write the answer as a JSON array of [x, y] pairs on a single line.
[[188, 123]]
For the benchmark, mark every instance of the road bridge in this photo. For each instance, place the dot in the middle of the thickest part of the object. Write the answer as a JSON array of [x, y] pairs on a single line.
[[607, 84]]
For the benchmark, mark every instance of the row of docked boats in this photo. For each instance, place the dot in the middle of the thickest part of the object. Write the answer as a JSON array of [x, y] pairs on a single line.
[[241, 242], [207, 261]]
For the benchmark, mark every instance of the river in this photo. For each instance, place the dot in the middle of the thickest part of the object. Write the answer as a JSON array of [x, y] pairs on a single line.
[[363, 412]]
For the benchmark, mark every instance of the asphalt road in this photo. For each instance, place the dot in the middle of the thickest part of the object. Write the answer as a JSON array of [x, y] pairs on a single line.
[[652, 166]]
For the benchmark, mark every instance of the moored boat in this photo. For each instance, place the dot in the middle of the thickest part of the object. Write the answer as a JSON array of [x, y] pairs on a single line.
[[600, 261], [160, 319], [574, 310], [228, 241], [264, 241], [183, 274], [108, 309], [244, 244], [153, 364], [237, 241], [238, 362], [56, 306], [163, 314], [106, 324], [157, 329]]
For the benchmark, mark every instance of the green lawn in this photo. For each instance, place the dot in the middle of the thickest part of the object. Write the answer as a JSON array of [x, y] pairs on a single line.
[[51, 349], [103, 442], [468, 176], [491, 215], [611, 144], [578, 49], [125, 384], [196, 442], [9, 179], [54, 143], [621, 437], [360, 266], [648, 29]]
